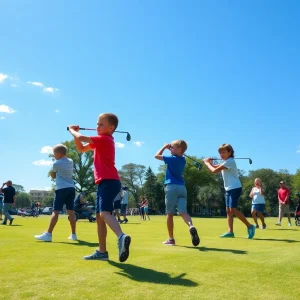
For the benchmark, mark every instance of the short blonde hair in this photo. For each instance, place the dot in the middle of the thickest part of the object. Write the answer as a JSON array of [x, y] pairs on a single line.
[[257, 179], [111, 118], [180, 144], [60, 148], [227, 147]]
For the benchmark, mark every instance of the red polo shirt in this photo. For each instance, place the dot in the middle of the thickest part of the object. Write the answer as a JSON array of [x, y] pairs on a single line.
[[104, 158], [282, 193]]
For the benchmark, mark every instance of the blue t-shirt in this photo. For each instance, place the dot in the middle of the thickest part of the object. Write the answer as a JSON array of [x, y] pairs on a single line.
[[64, 173], [175, 167]]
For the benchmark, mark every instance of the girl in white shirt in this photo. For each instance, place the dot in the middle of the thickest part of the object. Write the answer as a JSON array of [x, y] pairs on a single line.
[[233, 188], [258, 203]]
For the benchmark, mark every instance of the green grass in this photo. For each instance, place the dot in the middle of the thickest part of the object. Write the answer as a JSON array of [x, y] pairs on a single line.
[[266, 267]]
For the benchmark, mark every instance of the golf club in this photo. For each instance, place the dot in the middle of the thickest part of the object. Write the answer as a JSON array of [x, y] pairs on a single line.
[[199, 166], [128, 136], [250, 160]]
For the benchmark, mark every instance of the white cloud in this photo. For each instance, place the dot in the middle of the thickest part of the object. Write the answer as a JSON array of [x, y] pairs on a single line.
[[298, 151], [36, 83], [43, 162], [138, 143], [47, 150], [13, 85], [3, 77], [119, 145], [2, 118], [50, 89], [6, 109], [57, 111]]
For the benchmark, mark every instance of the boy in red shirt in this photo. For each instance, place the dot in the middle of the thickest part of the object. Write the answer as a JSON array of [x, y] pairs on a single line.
[[284, 203], [107, 178]]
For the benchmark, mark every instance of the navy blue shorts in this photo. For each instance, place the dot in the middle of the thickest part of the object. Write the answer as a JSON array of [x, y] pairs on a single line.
[[117, 204], [62, 197], [123, 208], [258, 207], [232, 197], [107, 191]]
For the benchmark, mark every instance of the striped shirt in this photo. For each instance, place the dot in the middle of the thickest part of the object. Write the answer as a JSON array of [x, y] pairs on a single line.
[[64, 173]]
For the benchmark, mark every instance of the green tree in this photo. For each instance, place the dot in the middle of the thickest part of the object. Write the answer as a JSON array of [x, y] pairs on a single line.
[[83, 168], [19, 188], [149, 186], [22, 200], [132, 175]]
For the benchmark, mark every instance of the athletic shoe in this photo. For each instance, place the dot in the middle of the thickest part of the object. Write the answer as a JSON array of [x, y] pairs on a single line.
[[11, 221], [169, 242], [119, 221], [194, 235], [251, 232], [264, 226], [125, 221], [97, 255], [290, 224], [123, 246], [257, 226], [227, 235], [73, 237], [46, 237], [3, 223], [278, 223]]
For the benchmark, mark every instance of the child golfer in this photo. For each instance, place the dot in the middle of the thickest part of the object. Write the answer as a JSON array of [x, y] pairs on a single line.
[[175, 190], [108, 181], [233, 188], [258, 203]]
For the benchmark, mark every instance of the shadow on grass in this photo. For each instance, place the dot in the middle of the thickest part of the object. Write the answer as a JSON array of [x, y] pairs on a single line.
[[278, 240], [80, 243], [204, 249], [284, 229], [141, 274], [13, 225]]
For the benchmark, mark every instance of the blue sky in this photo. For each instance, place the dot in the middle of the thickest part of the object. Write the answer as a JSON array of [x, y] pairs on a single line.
[[209, 72]]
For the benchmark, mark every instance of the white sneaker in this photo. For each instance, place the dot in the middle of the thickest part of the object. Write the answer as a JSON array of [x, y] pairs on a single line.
[[278, 223], [46, 237], [290, 224], [73, 237]]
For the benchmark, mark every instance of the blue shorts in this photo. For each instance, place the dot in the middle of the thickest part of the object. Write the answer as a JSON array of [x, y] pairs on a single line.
[[258, 207], [107, 191], [117, 204], [232, 197], [123, 208], [146, 209], [175, 198], [62, 197]]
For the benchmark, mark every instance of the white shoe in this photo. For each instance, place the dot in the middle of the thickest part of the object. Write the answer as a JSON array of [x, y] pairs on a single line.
[[290, 224], [46, 237], [73, 237], [278, 223]]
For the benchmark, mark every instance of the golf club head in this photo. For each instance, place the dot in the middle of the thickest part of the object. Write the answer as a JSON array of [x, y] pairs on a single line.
[[128, 137], [250, 161]]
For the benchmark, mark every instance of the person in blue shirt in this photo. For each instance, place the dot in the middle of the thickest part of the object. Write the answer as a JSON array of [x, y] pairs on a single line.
[[175, 190]]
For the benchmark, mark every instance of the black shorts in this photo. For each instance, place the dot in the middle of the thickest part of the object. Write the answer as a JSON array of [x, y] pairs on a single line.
[[117, 204], [64, 197]]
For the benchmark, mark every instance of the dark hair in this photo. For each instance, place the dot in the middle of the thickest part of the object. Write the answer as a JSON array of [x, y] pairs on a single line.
[[227, 147]]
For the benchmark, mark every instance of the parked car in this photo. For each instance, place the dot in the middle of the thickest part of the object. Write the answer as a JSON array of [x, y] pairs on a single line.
[[12, 211], [47, 211]]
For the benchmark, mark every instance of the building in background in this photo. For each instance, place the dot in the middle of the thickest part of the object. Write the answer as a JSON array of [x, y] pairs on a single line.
[[38, 195]]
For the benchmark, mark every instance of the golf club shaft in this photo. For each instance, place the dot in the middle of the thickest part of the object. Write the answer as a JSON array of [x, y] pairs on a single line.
[[81, 128]]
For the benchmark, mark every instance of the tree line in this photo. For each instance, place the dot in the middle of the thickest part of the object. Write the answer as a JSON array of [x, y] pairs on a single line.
[[205, 190]]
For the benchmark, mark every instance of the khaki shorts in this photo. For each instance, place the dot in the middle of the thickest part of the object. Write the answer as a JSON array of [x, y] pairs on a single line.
[[284, 208]]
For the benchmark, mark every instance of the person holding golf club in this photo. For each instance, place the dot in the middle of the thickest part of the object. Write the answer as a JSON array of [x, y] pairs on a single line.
[[258, 203], [233, 188], [62, 172], [108, 181], [175, 190]]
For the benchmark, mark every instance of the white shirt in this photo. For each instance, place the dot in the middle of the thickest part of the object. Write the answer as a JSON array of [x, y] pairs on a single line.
[[230, 175], [125, 197], [257, 197]]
